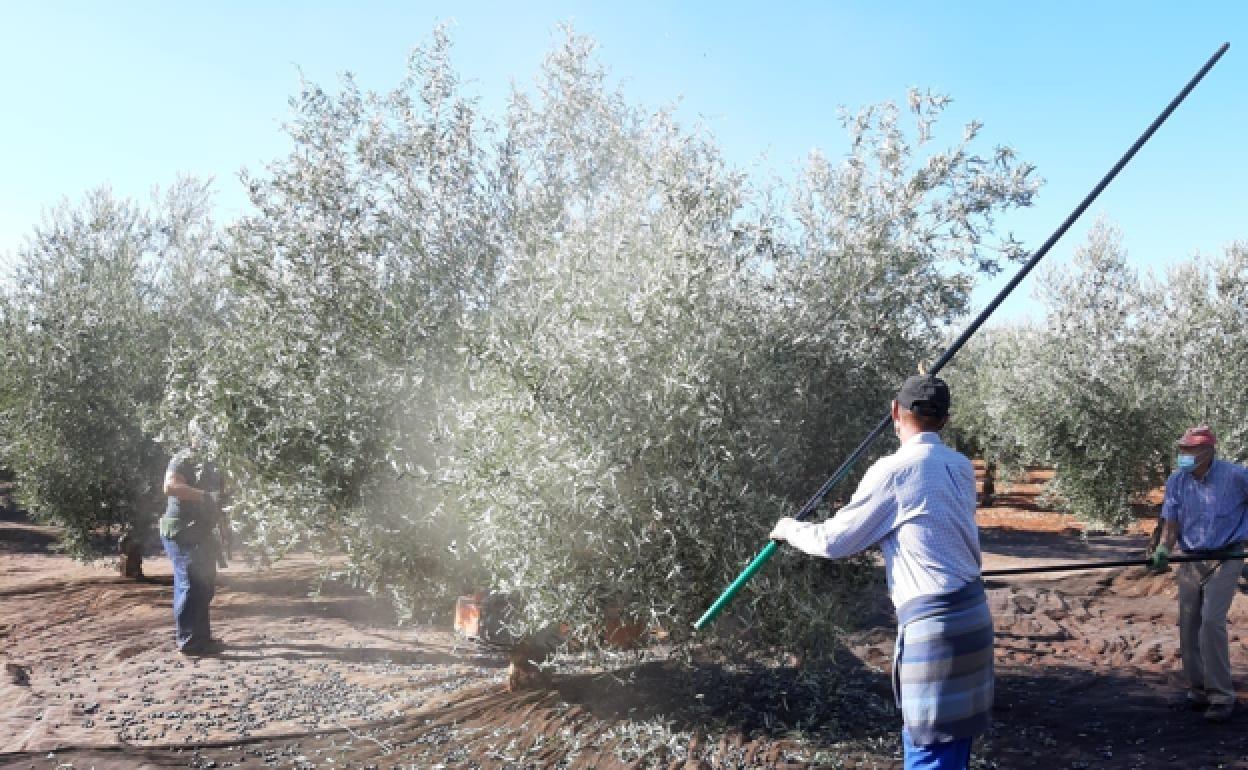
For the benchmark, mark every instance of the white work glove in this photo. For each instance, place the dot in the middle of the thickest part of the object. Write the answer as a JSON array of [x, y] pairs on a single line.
[[784, 528]]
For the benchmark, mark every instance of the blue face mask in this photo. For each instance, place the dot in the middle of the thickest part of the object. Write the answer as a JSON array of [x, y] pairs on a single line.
[[1187, 463]]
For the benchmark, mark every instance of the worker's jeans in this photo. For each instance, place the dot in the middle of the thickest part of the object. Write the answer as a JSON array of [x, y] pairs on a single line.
[[1206, 589], [952, 755], [194, 584]]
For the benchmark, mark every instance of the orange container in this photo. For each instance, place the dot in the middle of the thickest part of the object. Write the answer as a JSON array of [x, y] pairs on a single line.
[[468, 616]]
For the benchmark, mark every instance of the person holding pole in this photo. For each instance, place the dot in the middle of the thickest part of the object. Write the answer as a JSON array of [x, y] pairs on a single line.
[[918, 505], [1205, 512]]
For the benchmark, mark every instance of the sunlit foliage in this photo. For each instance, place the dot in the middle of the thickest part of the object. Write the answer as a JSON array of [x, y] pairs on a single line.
[[1119, 368], [87, 329], [567, 352]]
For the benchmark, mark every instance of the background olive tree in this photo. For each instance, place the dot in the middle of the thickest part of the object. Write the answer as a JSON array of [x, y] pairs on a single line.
[[1104, 385], [86, 335], [1202, 312], [989, 379], [370, 246]]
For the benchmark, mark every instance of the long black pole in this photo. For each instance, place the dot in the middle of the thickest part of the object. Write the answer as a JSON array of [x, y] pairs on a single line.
[[879, 429], [1100, 565]]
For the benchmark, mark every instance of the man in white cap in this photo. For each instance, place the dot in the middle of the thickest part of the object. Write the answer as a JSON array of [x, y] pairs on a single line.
[[1206, 513]]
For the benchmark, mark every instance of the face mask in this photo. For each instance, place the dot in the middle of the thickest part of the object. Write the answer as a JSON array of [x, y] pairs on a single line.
[[1187, 462]]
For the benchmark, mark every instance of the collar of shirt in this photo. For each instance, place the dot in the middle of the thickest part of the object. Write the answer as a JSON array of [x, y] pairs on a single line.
[[1210, 475], [926, 437]]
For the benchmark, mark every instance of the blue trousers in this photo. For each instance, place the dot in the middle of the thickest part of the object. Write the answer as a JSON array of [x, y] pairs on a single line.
[[952, 755], [194, 585]]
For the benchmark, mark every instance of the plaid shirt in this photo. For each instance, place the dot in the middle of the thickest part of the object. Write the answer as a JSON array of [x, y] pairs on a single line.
[[1212, 513], [918, 504]]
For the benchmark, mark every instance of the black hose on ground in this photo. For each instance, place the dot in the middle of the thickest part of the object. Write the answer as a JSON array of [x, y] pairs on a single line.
[[1102, 565]]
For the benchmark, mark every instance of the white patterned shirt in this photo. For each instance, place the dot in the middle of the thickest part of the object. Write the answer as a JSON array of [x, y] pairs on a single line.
[[918, 504]]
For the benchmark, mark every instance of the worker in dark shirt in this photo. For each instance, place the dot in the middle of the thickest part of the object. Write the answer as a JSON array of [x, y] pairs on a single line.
[[188, 533]]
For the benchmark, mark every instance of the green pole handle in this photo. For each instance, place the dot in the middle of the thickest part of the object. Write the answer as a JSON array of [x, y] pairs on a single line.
[[806, 510], [732, 590]]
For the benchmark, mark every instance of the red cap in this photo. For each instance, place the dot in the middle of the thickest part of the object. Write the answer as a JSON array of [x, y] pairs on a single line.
[[1201, 435]]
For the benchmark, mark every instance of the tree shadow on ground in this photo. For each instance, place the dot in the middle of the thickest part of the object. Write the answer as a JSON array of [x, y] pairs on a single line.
[[1023, 501], [132, 588], [1060, 545], [303, 594], [26, 539], [1073, 717], [21, 533], [1046, 717], [843, 695], [367, 611]]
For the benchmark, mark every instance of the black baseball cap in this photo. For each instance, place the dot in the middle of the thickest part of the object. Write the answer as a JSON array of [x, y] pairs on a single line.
[[927, 396]]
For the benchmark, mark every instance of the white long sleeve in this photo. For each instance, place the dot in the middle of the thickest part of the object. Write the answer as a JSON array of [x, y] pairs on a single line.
[[918, 505]]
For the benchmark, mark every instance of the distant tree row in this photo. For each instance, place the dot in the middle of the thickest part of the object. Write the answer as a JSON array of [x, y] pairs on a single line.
[[1120, 366]]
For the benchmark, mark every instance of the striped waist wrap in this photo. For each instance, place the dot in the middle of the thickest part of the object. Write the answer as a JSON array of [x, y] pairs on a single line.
[[942, 665]]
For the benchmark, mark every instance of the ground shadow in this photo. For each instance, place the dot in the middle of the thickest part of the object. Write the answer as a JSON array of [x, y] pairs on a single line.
[[26, 539], [1059, 716], [1047, 717], [64, 589], [1019, 500], [749, 698], [1060, 545], [368, 612]]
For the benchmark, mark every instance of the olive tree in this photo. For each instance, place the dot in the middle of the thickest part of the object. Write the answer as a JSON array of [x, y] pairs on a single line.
[[989, 379], [1089, 395], [1202, 312], [573, 354], [670, 364], [347, 289], [86, 341]]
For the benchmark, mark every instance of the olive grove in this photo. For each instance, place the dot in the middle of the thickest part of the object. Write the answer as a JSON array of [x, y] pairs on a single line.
[[568, 351], [573, 354], [1120, 366]]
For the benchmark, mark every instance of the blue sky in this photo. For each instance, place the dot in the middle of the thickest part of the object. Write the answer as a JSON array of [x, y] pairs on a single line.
[[133, 93]]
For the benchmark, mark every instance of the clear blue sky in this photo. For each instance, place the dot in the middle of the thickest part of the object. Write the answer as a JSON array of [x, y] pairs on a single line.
[[133, 93]]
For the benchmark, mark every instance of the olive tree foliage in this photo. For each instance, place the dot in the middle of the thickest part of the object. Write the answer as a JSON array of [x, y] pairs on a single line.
[[1090, 392], [572, 354], [86, 343], [346, 295], [1203, 310], [670, 364], [887, 246], [189, 301], [988, 379]]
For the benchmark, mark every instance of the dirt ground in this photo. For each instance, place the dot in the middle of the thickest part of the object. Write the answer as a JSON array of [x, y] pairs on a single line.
[[1087, 666]]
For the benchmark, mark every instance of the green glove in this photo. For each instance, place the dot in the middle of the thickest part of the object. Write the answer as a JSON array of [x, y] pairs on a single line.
[[1160, 559]]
